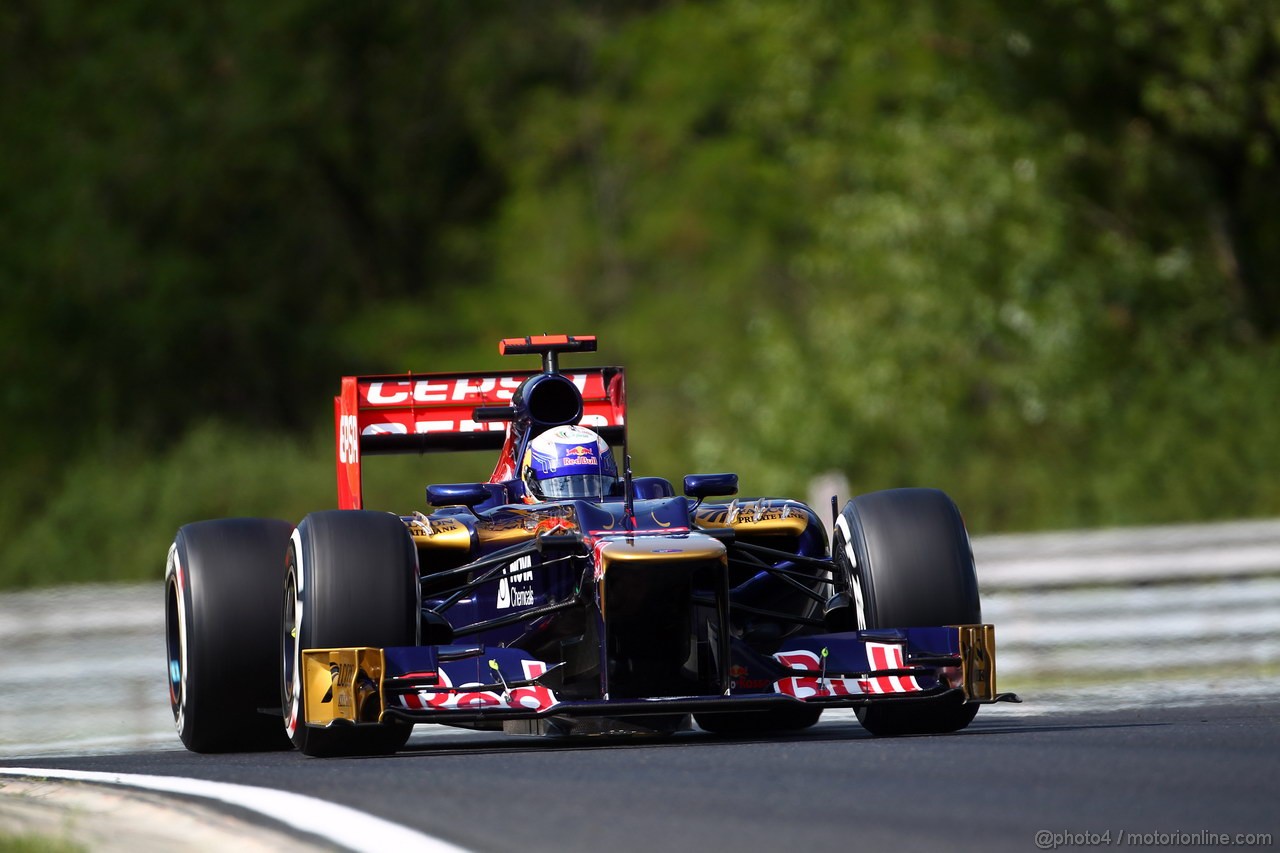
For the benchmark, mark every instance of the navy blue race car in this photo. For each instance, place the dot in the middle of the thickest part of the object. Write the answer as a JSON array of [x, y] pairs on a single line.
[[563, 595]]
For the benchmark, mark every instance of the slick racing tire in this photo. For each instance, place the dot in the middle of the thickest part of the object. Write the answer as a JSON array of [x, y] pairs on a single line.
[[905, 557], [222, 583], [758, 722], [351, 580]]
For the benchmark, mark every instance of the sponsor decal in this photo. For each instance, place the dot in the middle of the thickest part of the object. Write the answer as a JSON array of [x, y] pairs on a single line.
[[435, 405], [551, 525], [425, 525], [519, 518], [434, 426], [519, 572], [879, 656], [739, 677], [808, 686], [534, 697], [473, 390], [462, 390], [888, 656], [403, 423], [578, 455], [348, 439], [752, 512]]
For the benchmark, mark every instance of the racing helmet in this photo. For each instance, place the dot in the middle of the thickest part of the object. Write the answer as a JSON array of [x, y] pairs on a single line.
[[568, 462]]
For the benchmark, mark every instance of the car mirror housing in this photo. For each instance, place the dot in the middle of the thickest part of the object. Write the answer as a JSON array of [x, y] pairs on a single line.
[[457, 494], [710, 485]]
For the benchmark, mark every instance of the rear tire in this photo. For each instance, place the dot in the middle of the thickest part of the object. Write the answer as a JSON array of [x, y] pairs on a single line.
[[351, 580], [221, 621], [907, 562]]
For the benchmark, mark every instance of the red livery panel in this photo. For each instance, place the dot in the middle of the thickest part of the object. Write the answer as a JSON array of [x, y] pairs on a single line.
[[418, 412]]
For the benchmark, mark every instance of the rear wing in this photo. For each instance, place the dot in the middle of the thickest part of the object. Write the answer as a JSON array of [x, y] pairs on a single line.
[[421, 412]]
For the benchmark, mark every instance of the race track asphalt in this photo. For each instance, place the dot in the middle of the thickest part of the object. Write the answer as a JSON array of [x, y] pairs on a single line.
[[993, 786]]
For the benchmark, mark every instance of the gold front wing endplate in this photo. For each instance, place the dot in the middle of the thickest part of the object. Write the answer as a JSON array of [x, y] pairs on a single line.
[[978, 662], [342, 684]]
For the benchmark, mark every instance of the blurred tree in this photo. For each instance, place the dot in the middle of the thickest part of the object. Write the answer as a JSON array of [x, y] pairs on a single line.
[[889, 249], [1177, 107], [200, 197], [1019, 251]]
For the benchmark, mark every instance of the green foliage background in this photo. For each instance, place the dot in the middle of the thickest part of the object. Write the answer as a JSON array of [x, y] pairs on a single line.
[[1022, 252]]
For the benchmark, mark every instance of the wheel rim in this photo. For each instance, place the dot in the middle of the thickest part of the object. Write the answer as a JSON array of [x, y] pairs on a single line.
[[290, 646], [176, 638]]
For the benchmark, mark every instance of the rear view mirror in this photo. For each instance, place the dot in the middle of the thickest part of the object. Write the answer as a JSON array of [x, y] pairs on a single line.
[[710, 485], [457, 494]]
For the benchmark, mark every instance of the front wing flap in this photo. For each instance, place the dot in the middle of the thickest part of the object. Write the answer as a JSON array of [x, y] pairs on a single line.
[[473, 683]]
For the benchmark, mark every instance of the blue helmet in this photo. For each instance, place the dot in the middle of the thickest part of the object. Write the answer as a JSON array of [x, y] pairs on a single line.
[[568, 462]]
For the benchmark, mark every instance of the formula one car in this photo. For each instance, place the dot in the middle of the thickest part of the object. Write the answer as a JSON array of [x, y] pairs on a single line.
[[563, 595]]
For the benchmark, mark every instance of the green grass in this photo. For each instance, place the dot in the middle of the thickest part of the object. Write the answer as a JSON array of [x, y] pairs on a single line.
[[37, 844]]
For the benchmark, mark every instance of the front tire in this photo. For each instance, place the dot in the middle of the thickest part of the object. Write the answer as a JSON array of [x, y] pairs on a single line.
[[221, 582], [739, 723], [907, 563], [351, 580]]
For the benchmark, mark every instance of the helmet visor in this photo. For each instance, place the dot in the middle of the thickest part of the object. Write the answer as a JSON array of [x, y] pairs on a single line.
[[576, 486]]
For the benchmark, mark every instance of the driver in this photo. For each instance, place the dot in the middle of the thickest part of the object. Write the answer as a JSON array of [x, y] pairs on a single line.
[[568, 462]]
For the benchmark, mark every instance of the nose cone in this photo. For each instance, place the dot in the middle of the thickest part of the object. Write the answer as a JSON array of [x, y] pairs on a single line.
[[675, 550]]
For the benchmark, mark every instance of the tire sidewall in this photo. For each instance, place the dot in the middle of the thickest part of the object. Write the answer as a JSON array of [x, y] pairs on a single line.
[[293, 641], [327, 594], [216, 575], [849, 551], [919, 574], [949, 572], [177, 619]]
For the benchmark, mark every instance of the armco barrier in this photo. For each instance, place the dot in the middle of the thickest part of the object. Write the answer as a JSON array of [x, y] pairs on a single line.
[[1138, 603]]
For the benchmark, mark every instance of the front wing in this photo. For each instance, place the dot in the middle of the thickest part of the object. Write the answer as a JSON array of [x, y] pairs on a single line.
[[476, 684]]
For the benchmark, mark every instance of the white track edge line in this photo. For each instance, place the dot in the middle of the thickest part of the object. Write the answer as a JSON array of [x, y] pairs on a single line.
[[332, 822]]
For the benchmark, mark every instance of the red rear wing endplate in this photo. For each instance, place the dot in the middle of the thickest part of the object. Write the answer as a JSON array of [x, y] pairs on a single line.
[[420, 412]]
